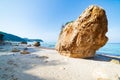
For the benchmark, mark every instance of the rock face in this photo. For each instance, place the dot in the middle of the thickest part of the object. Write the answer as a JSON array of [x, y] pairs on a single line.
[[82, 37]]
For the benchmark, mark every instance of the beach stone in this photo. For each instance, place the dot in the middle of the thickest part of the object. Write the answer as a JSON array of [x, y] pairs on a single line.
[[37, 44], [29, 45], [15, 50], [115, 61], [82, 37], [23, 42], [24, 52]]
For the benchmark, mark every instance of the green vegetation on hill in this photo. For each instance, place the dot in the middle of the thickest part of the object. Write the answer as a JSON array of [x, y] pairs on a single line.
[[11, 37], [1, 37]]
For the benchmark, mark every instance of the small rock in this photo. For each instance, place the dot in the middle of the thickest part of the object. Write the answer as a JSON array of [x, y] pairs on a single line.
[[15, 50], [24, 52], [23, 42], [42, 57], [115, 61], [37, 44], [29, 45]]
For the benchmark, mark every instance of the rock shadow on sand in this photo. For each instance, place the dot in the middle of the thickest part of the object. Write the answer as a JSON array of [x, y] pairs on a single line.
[[102, 57]]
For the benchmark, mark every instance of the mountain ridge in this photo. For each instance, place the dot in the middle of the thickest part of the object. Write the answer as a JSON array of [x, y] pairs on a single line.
[[12, 37]]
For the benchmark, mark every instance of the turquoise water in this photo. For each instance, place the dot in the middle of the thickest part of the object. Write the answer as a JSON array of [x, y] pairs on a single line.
[[109, 48], [48, 44]]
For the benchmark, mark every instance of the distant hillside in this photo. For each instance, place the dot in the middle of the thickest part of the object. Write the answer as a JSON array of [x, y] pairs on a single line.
[[11, 37]]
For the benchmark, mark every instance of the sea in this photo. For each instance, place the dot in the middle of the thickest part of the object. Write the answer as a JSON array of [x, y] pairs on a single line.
[[112, 49]]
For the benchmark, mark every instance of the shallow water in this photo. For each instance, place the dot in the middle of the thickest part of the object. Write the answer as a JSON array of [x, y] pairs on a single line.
[[109, 48], [7, 48]]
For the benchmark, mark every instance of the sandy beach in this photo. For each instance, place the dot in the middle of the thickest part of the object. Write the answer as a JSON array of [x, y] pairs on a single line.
[[59, 40], [48, 64]]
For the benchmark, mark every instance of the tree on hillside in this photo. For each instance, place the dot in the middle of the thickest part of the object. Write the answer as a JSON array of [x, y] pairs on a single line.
[[1, 38], [63, 26], [68, 22]]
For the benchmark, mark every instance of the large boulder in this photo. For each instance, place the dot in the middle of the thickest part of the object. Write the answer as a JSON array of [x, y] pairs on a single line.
[[82, 37]]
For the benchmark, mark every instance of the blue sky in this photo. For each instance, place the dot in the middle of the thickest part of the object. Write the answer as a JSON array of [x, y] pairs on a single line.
[[43, 18]]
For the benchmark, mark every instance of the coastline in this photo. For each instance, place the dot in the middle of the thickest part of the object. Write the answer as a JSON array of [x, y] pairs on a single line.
[[47, 64]]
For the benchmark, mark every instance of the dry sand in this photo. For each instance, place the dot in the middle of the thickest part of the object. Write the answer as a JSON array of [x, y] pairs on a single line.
[[46, 64]]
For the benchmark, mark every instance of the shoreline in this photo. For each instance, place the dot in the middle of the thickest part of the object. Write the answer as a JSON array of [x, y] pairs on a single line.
[[99, 54], [46, 48], [47, 64]]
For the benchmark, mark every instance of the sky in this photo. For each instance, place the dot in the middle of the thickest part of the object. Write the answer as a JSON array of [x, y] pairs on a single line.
[[42, 19]]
